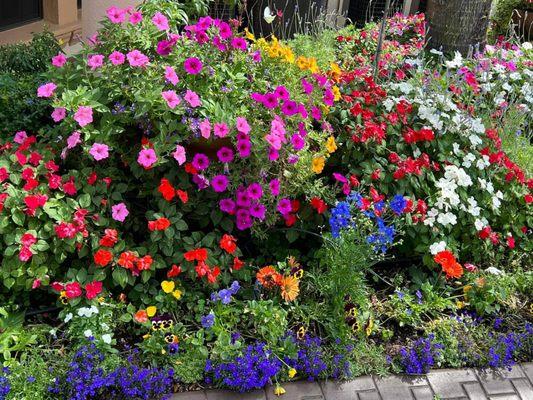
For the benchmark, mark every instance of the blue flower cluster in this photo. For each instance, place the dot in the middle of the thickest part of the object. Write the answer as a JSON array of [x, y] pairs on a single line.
[[253, 370], [508, 346], [86, 379], [224, 295], [398, 204], [340, 218], [383, 238], [5, 386], [420, 357], [310, 359], [208, 321]]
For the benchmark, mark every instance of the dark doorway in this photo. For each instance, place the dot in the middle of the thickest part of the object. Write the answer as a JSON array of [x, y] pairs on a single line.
[[363, 11], [17, 12]]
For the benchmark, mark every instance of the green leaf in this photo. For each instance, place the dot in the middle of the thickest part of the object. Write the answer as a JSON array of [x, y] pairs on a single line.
[[85, 200], [18, 217]]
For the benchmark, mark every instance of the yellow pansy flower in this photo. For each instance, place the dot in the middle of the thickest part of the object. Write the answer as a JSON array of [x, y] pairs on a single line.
[[370, 326], [177, 294], [292, 373], [168, 286], [151, 310], [278, 390], [331, 146], [318, 164]]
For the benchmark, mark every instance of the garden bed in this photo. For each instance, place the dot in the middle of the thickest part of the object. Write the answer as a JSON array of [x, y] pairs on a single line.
[[214, 209]]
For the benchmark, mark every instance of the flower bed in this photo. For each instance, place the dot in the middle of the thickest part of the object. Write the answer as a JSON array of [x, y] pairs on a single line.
[[214, 208]]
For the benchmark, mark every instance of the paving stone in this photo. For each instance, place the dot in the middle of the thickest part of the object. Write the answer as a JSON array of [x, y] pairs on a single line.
[[347, 390], [422, 393], [368, 396], [528, 370], [297, 391], [474, 391], [494, 382], [505, 397], [447, 383], [524, 388], [396, 388], [200, 395], [229, 395]]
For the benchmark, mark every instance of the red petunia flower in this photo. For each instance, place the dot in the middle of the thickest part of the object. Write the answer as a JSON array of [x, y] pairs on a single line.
[[319, 205]]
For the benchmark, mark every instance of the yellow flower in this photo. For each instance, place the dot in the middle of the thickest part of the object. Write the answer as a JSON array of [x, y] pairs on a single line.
[[249, 35], [313, 66], [147, 336], [335, 70], [168, 286], [459, 304], [278, 390], [370, 326], [318, 164], [150, 311], [331, 146], [336, 93], [292, 373], [467, 288], [302, 62], [177, 294], [290, 288]]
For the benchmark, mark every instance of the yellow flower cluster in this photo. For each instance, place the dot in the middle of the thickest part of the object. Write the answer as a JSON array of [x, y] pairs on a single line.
[[169, 287], [319, 161]]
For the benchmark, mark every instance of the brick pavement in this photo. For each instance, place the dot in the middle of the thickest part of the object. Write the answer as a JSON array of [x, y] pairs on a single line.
[[460, 384]]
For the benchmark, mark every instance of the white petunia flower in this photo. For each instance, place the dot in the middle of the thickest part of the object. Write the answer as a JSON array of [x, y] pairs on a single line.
[[106, 338], [88, 333], [437, 247]]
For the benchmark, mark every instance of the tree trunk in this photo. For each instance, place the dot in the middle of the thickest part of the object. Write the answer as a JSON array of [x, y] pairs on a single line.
[[458, 25]]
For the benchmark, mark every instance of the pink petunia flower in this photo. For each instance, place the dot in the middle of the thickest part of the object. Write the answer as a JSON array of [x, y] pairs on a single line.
[[284, 206], [227, 206], [119, 212], [59, 114], [239, 43], [160, 21], [192, 98], [20, 137], [136, 17], [225, 155], [179, 154], [116, 15], [200, 161], [205, 128], [171, 98], [73, 140], [220, 183], [255, 190], [95, 61], [171, 76], [117, 58], [59, 60], [147, 158], [84, 116], [137, 59], [274, 187], [46, 90], [242, 125], [192, 66], [221, 130], [99, 151], [258, 211]]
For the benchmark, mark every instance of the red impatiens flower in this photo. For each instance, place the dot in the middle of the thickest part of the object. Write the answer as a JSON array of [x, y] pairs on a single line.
[[175, 270], [73, 290], [110, 238], [102, 257], [166, 189], [127, 260], [237, 264], [159, 224], [93, 289], [319, 205], [144, 263], [228, 244], [196, 255], [449, 264], [183, 195], [213, 274]]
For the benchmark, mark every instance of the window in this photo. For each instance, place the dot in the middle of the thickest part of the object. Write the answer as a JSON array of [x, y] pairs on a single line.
[[16, 12]]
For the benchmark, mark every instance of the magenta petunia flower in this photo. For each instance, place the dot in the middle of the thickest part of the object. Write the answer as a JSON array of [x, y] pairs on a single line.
[[224, 30], [20, 137], [221, 130], [171, 76], [59, 60], [244, 148], [119, 212], [292, 159], [160, 21], [201, 181], [257, 97], [220, 183], [284, 206], [258, 211], [200, 161], [46, 90], [99, 151], [179, 154], [95, 61], [270, 100], [297, 141], [205, 128], [256, 56], [302, 111], [59, 114], [192, 66], [137, 59], [239, 43], [273, 154], [242, 125], [84, 115], [192, 98], [289, 108], [117, 58], [329, 97], [307, 87], [73, 140], [244, 220], [255, 190], [136, 17], [225, 155], [315, 113], [274, 187], [243, 198], [282, 92], [227, 206], [147, 158], [116, 15], [171, 98]]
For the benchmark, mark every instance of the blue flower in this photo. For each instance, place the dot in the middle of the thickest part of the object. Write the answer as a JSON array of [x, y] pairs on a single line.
[[398, 204], [340, 218], [208, 321]]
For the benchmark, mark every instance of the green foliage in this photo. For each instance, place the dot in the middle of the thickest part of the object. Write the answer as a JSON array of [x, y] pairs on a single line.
[[502, 12]]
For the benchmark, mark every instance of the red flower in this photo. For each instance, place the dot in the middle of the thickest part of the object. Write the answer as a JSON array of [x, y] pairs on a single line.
[[175, 270], [69, 187], [102, 257], [528, 198], [201, 269], [237, 264], [196, 255], [93, 289], [510, 242], [213, 274], [25, 254], [72, 290], [319, 205], [57, 286], [91, 180], [290, 220], [3, 174], [228, 244], [144, 263], [166, 189], [159, 224], [110, 238], [449, 265], [28, 239], [376, 174], [127, 259], [183, 195]]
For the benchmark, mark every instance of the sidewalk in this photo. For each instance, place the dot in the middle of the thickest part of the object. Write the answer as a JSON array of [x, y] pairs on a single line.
[[460, 384]]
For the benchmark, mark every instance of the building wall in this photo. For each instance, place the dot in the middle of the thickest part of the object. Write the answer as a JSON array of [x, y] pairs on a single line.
[[95, 10]]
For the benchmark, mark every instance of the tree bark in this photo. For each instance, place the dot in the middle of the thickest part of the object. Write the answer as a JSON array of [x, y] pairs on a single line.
[[458, 25]]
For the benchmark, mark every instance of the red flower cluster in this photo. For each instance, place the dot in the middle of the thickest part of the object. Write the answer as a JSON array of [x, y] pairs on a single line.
[[169, 192], [27, 240], [424, 134], [228, 243], [159, 224], [449, 264]]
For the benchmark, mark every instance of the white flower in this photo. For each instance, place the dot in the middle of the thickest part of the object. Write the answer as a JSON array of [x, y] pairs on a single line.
[[468, 160], [88, 333], [477, 125], [527, 45], [435, 51], [437, 247], [456, 62], [475, 140], [446, 219], [268, 15], [479, 224], [456, 149], [68, 317], [106, 338], [494, 271]]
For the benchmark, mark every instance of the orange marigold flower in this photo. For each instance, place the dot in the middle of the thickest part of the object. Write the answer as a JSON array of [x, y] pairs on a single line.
[[290, 288], [228, 244], [269, 277]]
